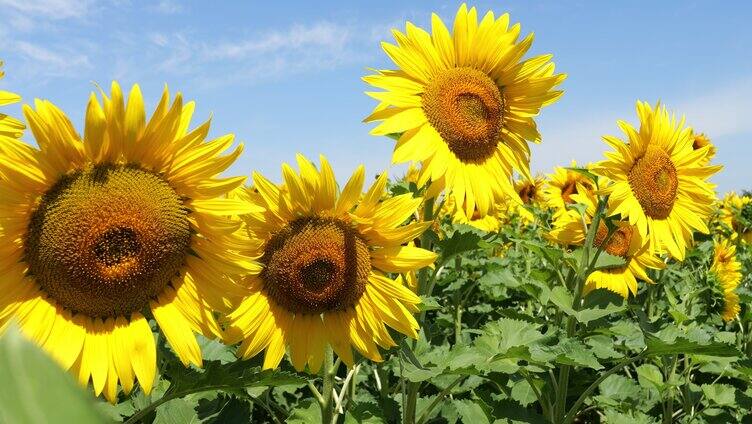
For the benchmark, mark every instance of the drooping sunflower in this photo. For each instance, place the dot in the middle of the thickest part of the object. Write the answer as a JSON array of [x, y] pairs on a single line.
[[97, 233], [700, 140], [659, 182], [727, 272], [324, 256], [736, 214], [562, 184], [464, 104], [625, 242], [9, 126]]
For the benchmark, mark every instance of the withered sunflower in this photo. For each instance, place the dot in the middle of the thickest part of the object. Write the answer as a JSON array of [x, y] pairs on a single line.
[[99, 233], [464, 103], [325, 256], [659, 181]]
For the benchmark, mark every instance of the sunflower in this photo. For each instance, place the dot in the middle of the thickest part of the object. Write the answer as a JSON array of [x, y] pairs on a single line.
[[625, 242], [562, 184], [9, 126], [736, 214], [659, 182], [727, 272], [530, 192], [324, 258], [701, 140], [463, 104], [97, 234], [489, 223]]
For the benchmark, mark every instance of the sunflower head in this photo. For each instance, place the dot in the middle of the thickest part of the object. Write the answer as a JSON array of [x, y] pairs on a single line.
[[658, 182], [326, 256], [622, 240], [564, 185], [725, 276], [463, 103], [701, 141], [736, 215], [530, 191], [101, 230]]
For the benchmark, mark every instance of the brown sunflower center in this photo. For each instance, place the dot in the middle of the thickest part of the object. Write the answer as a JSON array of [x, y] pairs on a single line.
[[570, 188], [466, 107], [527, 193], [618, 244], [316, 264], [654, 182], [105, 240]]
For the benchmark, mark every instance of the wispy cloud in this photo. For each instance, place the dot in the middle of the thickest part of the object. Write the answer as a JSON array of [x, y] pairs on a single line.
[[724, 111], [167, 7], [51, 62], [53, 9], [321, 35]]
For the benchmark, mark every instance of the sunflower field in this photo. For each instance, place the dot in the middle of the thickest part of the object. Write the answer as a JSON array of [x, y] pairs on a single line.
[[140, 283]]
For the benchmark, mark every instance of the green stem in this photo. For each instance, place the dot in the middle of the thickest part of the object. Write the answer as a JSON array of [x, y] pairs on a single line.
[[440, 397], [572, 413], [328, 371], [582, 273]]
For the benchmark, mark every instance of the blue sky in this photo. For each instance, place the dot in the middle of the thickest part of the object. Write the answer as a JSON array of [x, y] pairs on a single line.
[[285, 76]]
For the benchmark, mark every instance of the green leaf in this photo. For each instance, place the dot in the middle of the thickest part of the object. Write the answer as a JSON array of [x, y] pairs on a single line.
[[34, 389], [176, 411], [471, 411], [306, 412], [650, 376], [608, 261], [574, 352], [657, 347], [523, 393], [464, 239], [364, 413], [722, 395]]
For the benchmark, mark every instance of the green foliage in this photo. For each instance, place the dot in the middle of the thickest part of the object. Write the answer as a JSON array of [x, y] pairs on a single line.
[[35, 390], [508, 335]]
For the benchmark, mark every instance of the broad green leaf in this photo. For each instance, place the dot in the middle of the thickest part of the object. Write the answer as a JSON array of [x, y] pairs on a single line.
[[176, 411], [608, 261], [464, 239], [723, 395], [650, 376], [306, 412], [471, 411], [574, 352], [680, 345], [523, 393], [35, 390]]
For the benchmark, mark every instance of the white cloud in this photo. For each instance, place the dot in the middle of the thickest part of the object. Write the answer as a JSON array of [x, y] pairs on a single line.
[[54, 9], [51, 62], [322, 35], [167, 7], [724, 111]]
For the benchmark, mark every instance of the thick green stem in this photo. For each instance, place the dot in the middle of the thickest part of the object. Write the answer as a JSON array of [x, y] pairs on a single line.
[[584, 269], [328, 372]]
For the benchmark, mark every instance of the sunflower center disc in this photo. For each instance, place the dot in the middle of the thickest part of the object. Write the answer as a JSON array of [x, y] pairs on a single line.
[[618, 244], [570, 188], [654, 182], [527, 194], [466, 107], [105, 240], [316, 264]]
